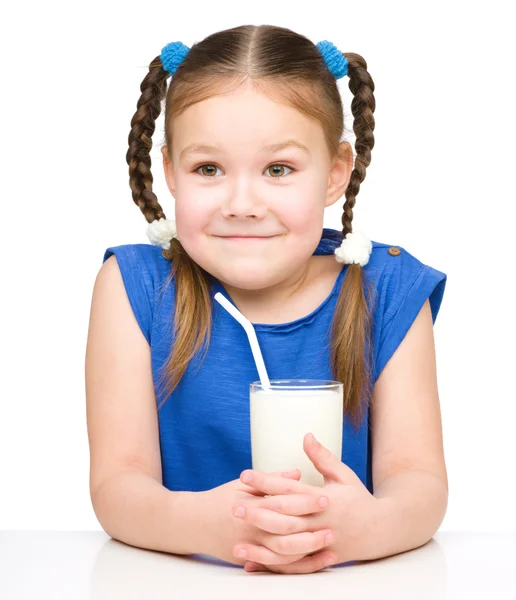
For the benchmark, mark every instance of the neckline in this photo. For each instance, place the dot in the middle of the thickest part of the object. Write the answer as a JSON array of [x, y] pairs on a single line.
[[290, 325]]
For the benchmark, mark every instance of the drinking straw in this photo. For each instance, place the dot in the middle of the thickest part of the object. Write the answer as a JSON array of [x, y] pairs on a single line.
[[251, 334]]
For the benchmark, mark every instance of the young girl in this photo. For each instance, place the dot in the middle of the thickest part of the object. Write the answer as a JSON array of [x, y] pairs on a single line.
[[253, 123]]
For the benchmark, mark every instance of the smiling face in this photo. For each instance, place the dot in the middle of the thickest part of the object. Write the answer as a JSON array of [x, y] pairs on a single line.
[[240, 187]]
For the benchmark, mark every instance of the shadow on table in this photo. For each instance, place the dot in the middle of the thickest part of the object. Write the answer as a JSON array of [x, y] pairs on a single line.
[[123, 571]]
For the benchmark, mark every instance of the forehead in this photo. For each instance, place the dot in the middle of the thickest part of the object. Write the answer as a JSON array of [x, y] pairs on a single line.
[[244, 118]]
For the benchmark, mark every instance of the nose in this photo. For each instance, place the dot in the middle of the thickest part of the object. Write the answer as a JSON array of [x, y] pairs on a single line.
[[241, 204]]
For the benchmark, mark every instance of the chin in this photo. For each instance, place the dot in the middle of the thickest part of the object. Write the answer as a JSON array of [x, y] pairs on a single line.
[[248, 279]]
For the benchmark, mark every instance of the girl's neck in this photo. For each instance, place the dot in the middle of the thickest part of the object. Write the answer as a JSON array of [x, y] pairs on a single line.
[[314, 288]]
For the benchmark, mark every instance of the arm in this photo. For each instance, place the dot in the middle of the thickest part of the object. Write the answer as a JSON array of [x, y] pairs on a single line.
[[412, 506], [409, 472], [134, 508], [126, 479]]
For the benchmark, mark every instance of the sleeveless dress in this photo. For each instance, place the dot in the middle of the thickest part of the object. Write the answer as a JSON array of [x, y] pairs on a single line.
[[204, 424]]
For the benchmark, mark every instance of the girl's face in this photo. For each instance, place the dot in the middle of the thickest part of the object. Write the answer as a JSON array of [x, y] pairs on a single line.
[[240, 187]]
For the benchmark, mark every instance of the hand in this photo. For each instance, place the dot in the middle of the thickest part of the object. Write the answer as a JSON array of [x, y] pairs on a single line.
[[352, 514], [224, 530]]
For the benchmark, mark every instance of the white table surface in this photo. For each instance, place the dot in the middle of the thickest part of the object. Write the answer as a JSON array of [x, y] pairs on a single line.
[[89, 564]]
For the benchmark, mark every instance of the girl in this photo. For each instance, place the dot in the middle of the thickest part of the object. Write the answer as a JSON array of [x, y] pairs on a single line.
[[252, 157]]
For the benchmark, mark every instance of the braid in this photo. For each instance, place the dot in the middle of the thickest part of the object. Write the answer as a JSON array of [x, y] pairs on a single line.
[[192, 318], [362, 107], [143, 124]]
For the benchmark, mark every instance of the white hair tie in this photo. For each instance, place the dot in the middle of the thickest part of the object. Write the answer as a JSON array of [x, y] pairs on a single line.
[[161, 231], [354, 249]]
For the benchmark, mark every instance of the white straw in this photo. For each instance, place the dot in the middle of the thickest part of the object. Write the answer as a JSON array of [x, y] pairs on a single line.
[[251, 334]]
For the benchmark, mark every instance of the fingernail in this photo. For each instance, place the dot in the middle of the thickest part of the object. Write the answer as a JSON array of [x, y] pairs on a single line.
[[246, 477], [323, 501], [242, 553], [239, 511], [329, 538], [314, 440]]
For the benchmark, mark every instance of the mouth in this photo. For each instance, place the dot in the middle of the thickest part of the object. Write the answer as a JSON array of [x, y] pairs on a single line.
[[247, 237]]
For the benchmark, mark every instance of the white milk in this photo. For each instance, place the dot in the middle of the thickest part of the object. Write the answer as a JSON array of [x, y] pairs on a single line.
[[281, 418]]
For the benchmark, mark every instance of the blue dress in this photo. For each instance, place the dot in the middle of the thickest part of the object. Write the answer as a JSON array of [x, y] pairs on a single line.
[[205, 437]]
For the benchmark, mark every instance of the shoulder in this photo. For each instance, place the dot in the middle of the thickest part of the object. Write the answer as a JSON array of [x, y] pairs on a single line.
[[145, 259], [142, 255], [403, 283], [390, 258], [402, 277], [144, 271]]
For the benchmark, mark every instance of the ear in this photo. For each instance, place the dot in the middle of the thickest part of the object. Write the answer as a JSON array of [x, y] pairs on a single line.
[[340, 174], [169, 172]]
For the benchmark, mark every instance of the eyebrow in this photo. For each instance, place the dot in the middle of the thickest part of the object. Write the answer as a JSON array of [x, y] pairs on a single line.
[[205, 149]]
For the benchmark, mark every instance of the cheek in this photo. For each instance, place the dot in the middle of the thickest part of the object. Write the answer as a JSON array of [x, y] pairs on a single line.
[[192, 217], [302, 206], [302, 216]]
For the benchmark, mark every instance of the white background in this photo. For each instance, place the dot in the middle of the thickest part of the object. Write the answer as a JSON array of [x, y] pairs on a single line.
[[440, 184]]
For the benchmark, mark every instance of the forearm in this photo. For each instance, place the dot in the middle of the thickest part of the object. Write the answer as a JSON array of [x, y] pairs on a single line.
[[413, 505], [136, 509]]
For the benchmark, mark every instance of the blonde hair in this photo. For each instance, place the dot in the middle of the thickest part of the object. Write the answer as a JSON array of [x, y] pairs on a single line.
[[291, 66]]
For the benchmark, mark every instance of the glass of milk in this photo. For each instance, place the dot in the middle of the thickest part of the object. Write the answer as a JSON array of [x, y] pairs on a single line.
[[284, 414]]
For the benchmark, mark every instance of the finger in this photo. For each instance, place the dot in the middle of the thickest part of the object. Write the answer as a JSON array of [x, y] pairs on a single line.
[[294, 474], [268, 484], [251, 566], [295, 504], [271, 521], [308, 564], [284, 549], [305, 542]]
